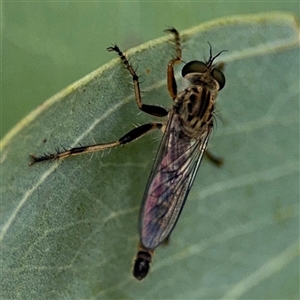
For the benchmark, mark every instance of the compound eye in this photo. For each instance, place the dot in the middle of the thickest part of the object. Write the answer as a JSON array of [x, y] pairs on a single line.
[[219, 77], [194, 66]]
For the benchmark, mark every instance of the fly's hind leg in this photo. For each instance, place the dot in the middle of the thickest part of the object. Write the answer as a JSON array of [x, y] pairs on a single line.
[[153, 110], [218, 161], [127, 138], [171, 82]]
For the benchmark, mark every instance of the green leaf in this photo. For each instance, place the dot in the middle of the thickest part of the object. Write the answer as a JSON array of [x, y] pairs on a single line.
[[69, 228]]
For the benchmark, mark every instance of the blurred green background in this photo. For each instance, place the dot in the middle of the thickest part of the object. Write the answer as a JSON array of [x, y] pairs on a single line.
[[47, 46]]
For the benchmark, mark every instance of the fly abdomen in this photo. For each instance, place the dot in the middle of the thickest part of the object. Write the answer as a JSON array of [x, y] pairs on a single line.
[[142, 263]]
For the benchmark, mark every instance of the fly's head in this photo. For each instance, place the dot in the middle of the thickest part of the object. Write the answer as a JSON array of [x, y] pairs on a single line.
[[204, 73]]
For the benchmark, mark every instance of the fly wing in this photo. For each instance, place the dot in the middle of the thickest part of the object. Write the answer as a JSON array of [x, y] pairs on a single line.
[[170, 181]]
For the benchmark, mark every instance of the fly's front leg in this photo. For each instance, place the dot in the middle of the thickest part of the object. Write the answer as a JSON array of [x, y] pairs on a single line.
[[149, 109], [127, 138], [171, 82]]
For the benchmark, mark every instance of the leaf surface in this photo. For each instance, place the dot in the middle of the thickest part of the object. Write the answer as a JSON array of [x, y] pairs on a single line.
[[69, 228]]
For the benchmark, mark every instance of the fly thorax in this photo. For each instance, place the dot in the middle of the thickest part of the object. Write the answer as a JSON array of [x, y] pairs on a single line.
[[194, 107]]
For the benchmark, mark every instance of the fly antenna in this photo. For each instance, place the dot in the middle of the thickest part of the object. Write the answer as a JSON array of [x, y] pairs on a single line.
[[211, 57]]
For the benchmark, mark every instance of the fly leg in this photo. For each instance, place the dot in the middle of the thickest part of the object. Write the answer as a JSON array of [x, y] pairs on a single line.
[[171, 82], [153, 110], [218, 161], [127, 138]]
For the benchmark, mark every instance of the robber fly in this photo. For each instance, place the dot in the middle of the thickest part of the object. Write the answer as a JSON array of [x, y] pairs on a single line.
[[185, 138]]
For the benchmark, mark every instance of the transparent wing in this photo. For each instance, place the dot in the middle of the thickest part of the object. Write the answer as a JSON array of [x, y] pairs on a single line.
[[170, 181]]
